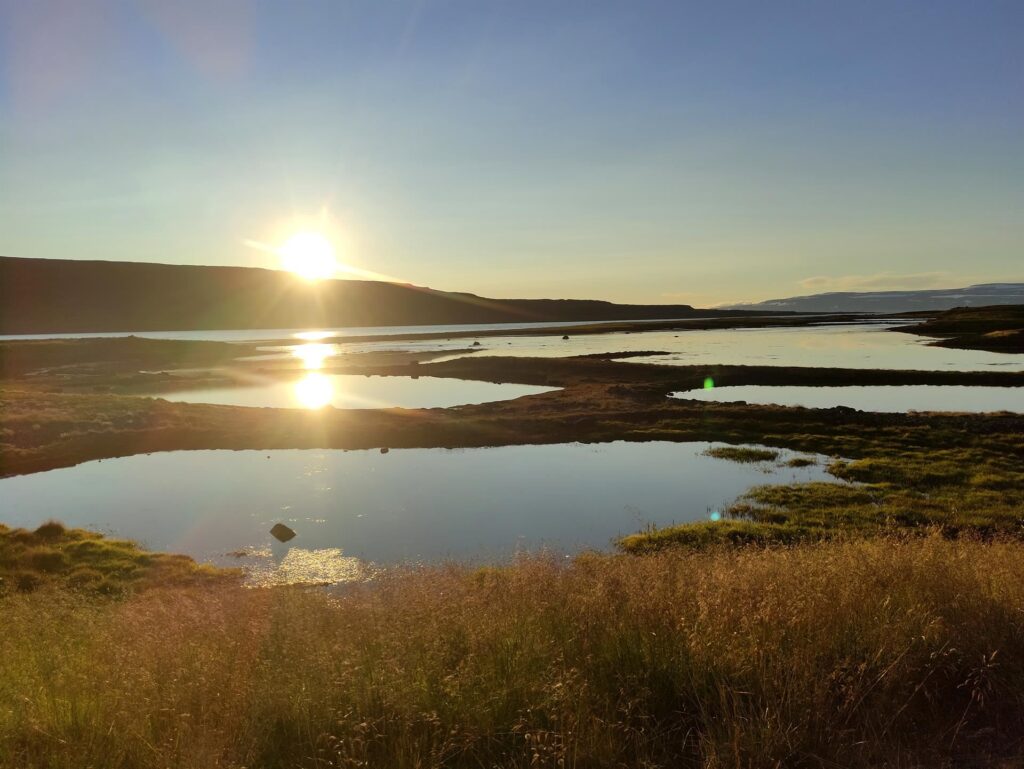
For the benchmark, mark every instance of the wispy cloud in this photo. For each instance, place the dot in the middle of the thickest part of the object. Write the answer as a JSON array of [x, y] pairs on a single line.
[[883, 281]]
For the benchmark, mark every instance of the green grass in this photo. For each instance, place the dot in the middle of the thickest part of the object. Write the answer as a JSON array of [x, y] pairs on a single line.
[[867, 653], [801, 462], [955, 490], [743, 454], [53, 556]]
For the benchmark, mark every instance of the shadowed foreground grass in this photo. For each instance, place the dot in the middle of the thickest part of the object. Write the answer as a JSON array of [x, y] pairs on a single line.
[[865, 653]]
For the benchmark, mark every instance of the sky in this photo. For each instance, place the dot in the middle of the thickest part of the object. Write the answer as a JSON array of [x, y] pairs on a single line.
[[635, 151]]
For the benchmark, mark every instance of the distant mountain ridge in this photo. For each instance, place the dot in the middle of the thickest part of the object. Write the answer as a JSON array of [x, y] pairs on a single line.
[[893, 301], [50, 296]]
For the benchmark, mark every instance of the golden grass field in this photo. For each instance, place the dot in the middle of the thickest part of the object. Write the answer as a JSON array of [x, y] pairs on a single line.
[[873, 652]]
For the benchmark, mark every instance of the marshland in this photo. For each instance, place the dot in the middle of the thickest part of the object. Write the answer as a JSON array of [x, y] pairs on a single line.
[[462, 384], [592, 574]]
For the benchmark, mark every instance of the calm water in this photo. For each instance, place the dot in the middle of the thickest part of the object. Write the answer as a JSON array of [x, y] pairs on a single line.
[[891, 399], [258, 334], [843, 346], [410, 504], [859, 345], [347, 391]]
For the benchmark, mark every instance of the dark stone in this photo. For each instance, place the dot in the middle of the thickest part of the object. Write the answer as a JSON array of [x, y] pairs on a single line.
[[384, 450], [476, 344], [282, 533], [565, 337]]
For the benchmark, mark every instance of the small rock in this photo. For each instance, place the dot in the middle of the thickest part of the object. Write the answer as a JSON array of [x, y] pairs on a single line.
[[565, 336], [384, 450], [282, 533], [476, 344]]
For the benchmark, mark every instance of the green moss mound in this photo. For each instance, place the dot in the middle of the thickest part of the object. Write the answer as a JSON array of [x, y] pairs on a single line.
[[55, 556]]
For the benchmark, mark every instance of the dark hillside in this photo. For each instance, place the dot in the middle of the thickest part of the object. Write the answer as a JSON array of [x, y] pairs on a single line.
[[59, 295]]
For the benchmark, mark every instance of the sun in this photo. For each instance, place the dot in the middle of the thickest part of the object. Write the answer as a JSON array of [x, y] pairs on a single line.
[[309, 255]]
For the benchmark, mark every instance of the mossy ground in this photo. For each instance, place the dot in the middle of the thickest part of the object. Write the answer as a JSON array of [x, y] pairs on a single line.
[[997, 328], [53, 556], [952, 490], [744, 454]]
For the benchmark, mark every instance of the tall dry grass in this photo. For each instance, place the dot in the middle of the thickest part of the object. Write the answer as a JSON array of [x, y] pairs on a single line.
[[869, 653]]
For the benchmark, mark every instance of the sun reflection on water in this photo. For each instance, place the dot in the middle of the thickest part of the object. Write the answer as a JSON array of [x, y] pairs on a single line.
[[313, 355], [314, 391], [300, 566], [311, 336]]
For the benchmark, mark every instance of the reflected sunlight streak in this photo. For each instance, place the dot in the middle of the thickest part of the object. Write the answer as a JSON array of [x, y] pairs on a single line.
[[314, 391], [313, 355]]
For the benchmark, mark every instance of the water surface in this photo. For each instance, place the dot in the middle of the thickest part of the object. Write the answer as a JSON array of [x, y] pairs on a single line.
[[844, 345], [350, 391], [409, 504], [889, 398], [837, 345], [260, 334]]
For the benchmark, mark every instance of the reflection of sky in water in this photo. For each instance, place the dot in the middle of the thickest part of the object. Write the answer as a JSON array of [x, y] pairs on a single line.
[[311, 335], [349, 391], [840, 346], [411, 504], [858, 346], [871, 398], [846, 346]]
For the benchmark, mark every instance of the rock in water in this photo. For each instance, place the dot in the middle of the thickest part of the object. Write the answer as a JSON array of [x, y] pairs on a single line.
[[385, 450], [565, 337], [282, 533]]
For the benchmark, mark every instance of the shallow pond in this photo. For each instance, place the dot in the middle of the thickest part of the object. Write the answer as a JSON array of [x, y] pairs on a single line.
[[891, 399], [407, 505], [258, 334], [838, 345], [349, 391], [846, 345]]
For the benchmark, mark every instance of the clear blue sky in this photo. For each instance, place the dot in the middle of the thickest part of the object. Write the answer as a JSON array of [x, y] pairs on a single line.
[[635, 151]]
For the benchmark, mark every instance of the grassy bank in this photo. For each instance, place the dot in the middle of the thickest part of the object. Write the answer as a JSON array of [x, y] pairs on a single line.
[[600, 401], [998, 328], [856, 654], [975, 490], [53, 556]]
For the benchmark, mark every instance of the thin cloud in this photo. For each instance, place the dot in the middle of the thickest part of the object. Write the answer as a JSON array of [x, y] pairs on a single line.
[[883, 281]]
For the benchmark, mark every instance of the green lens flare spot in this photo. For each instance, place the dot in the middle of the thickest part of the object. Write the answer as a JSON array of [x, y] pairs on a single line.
[[709, 383]]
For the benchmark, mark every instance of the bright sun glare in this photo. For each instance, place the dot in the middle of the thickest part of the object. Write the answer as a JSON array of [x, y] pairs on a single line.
[[313, 391], [309, 255]]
